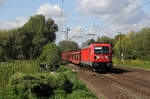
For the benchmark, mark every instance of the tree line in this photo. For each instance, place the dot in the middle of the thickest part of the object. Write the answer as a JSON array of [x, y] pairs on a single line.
[[134, 45], [26, 42]]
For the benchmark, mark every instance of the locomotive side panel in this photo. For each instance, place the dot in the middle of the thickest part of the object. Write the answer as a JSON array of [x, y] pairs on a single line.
[[84, 56]]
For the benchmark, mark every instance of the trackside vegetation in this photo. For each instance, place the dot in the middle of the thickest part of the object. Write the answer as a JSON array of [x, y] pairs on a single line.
[[133, 63], [21, 82], [26, 80], [23, 50], [133, 48], [132, 45]]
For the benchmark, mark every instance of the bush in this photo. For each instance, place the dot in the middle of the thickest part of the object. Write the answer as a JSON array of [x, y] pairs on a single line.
[[79, 89], [62, 69], [81, 94], [50, 56], [64, 84], [40, 85]]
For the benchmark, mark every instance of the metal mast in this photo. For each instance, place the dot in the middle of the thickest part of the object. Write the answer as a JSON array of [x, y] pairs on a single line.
[[62, 7]]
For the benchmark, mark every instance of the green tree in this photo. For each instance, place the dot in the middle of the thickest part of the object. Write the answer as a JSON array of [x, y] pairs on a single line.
[[118, 44], [31, 37], [51, 56], [141, 40], [68, 46], [7, 45], [106, 39]]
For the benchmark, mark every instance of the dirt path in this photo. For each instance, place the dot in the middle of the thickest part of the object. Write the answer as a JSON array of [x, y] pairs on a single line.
[[119, 83]]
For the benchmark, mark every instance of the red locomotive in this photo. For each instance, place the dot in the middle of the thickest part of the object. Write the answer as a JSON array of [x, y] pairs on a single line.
[[97, 56]]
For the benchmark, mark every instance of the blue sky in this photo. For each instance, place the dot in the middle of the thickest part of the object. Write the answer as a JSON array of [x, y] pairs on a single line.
[[103, 17]]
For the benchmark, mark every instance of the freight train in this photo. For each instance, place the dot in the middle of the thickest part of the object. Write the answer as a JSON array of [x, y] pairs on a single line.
[[97, 56]]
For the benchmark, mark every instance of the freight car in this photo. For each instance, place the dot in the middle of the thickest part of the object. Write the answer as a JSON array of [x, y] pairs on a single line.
[[97, 56]]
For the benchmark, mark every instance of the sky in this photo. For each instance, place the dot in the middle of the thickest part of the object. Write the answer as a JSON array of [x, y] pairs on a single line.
[[83, 17]]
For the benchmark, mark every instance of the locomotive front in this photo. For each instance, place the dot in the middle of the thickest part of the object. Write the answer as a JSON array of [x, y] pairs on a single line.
[[101, 56]]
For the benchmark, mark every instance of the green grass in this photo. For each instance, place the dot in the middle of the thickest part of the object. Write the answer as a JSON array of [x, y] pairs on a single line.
[[140, 64]]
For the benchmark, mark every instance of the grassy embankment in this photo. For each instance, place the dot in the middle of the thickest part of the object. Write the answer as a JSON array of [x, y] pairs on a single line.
[[25, 80], [133, 63]]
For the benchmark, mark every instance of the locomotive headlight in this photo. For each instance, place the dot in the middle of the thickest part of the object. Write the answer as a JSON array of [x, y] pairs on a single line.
[[96, 57]]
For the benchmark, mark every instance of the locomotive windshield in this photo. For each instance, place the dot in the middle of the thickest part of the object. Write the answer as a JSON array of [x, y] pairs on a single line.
[[101, 50]]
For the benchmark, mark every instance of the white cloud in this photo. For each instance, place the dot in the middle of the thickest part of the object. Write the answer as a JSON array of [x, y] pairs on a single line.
[[1, 2], [53, 11], [75, 32], [48, 10], [17, 22], [120, 15]]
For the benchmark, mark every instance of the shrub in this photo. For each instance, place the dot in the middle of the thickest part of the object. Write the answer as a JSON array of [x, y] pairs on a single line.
[[40, 85], [64, 84], [62, 69], [81, 94], [50, 56]]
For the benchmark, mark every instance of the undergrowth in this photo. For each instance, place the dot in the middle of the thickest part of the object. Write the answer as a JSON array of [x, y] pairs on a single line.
[[25, 80]]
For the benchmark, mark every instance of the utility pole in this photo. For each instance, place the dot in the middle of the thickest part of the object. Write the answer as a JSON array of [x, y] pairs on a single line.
[[67, 30], [66, 33], [62, 7], [120, 45]]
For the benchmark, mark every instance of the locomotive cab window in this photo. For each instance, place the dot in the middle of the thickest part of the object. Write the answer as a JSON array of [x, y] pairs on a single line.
[[101, 50]]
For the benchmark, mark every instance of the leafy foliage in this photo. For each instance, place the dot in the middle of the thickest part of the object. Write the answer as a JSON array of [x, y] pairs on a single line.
[[134, 45], [8, 69], [50, 56], [62, 85], [27, 41], [68, 46], [106, 39]]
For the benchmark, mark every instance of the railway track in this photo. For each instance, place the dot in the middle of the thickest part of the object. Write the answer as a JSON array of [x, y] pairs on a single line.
[[120, 83]]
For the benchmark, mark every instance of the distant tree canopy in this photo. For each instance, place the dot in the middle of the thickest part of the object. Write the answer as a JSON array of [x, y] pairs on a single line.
[[134, 45], [68, 46], [106, 39], [27, 41]]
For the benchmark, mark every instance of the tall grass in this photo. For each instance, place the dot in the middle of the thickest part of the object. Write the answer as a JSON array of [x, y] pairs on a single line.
[[10, 68]]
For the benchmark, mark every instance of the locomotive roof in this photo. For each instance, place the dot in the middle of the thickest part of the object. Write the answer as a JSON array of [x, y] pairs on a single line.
[[101, 43], [94, 44]]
